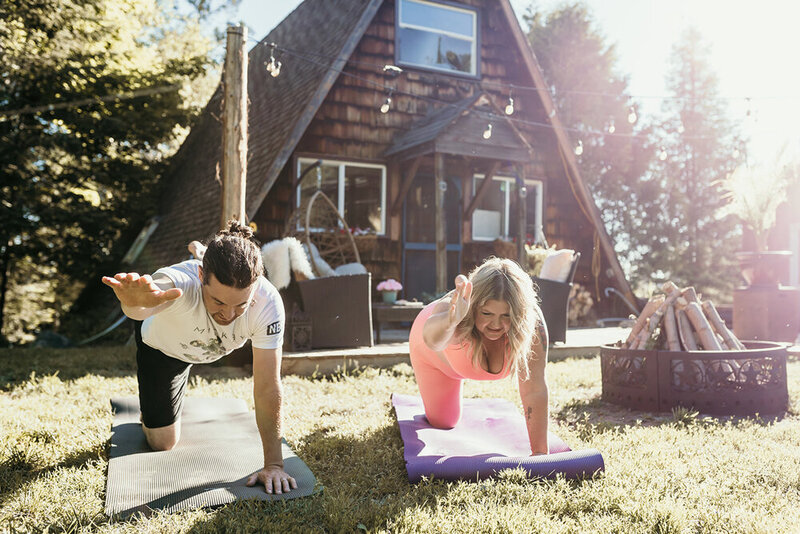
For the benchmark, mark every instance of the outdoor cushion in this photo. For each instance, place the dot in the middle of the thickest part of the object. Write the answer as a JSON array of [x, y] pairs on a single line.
[[350, 268], [219, 449], [557, 265], [491, 436]]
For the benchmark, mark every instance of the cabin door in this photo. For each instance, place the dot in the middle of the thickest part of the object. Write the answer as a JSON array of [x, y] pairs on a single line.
[[419, 236]]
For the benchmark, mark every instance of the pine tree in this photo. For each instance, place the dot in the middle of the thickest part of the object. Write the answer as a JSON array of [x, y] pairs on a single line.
[[696, 246]]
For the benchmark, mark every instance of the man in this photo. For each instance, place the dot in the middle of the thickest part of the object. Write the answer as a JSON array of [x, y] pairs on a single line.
[[195, 312]]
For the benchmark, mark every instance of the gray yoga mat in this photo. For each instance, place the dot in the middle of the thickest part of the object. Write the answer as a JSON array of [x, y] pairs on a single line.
[[220, 447]]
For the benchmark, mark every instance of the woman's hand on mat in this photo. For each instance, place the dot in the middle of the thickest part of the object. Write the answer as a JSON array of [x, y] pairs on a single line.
[[134, 291], [274, 479], [459, 300]]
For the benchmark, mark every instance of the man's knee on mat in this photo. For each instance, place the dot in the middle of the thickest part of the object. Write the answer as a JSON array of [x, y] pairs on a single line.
[[163, 438]]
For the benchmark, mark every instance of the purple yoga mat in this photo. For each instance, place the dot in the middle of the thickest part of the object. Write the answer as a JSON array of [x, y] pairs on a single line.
[[490, 437]]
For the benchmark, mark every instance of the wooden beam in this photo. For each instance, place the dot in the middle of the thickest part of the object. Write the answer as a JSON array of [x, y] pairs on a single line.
[[481, 190], [234, 127], [522, 208], [401, 195], [441, 236]]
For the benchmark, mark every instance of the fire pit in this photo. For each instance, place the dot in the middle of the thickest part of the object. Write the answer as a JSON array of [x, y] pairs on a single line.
[[735, 382]]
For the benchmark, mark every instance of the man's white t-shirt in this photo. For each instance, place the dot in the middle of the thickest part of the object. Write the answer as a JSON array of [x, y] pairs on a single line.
[[186, 331]]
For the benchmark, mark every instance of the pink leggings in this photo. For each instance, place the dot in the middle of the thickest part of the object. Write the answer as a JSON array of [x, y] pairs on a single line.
[[441, 394]]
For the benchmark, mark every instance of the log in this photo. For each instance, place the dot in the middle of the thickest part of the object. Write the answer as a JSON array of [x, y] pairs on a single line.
[[671, 328], [720, 327], [655, 319], [701, 325], [685, 331], [668, 287], [649, 309], [690, 294]]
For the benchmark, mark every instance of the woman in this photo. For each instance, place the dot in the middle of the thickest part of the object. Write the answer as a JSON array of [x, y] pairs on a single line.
[[489, 327]]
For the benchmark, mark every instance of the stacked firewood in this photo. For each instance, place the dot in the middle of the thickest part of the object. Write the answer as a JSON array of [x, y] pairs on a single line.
[[678, 320]]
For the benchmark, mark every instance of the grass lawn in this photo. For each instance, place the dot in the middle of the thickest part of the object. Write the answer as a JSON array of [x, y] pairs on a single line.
[[664, 472]]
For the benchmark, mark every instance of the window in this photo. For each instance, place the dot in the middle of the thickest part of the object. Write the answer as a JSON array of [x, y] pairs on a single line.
[[495, 214], [437, 36], [357, 189]]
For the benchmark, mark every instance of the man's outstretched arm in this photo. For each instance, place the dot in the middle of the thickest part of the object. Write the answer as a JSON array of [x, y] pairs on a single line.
[[267, 393], [139, 296]]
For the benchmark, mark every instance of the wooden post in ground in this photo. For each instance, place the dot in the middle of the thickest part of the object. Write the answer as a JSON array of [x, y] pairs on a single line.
[[234, 127], [441, 236]]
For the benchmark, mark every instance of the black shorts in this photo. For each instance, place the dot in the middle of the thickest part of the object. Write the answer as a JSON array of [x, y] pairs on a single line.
[[162, 383]]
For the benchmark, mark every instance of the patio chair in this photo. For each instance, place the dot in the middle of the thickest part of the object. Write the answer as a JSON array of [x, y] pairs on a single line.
[[554, 301], [339, 300]]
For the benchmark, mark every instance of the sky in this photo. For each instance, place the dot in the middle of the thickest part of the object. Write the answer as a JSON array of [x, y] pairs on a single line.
[[752, 46]]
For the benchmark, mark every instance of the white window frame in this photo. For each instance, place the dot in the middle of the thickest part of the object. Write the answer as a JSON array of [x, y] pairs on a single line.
[[794, 262], [342, 164], [474, 40], [536, 185]]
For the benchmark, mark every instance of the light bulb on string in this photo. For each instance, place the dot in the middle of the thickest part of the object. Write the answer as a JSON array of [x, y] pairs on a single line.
[[632, 115], [663, 154], [579, 148], [681, 129], [510, 106], [487, 133], [611, 127], [274, 66], [736, 153], [387, 104]]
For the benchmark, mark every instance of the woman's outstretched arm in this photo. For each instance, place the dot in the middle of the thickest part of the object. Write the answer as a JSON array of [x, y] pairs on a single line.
[[534, 393], [449, 311]]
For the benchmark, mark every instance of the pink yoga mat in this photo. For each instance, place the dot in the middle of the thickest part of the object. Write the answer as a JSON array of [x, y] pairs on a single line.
[[490, 437]]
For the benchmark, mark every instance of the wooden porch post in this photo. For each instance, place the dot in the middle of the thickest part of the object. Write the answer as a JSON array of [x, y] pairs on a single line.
[[522, 209], [234, 128], [441, 237]]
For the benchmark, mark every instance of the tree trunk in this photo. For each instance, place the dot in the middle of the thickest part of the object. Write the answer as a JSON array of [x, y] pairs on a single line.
[[5, 264]]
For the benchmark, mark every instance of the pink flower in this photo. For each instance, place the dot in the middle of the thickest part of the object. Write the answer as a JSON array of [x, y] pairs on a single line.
[[389, 285]]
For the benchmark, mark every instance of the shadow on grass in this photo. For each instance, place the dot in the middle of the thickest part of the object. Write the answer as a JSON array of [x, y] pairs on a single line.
[[593, 416], [21, 467], [17, 365]]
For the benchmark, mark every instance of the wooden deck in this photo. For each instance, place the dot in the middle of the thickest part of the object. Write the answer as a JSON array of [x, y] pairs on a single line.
[[581, 343]]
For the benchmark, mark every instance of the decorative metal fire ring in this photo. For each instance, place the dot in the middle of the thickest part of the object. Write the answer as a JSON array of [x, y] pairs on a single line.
[[741, 382]]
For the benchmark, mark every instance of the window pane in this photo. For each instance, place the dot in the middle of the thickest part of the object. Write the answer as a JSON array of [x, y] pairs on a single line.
[[438, 18], [489, 218], [435, 50], [325, 177], [362, 198]]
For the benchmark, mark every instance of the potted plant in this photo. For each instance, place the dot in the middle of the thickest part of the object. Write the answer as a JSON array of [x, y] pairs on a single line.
[[389, 289], [753, 195]]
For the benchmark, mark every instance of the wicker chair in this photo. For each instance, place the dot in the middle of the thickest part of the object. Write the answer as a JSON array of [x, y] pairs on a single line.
[[340, 307], [554, 301]]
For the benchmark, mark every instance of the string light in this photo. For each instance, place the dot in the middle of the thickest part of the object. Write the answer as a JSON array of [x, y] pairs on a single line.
[[487, 133], [510, 106], [611, 127], [663, 154], [579, 148], [274, 66], [736, 153], [632, 115], [394, 70], [387, 104]]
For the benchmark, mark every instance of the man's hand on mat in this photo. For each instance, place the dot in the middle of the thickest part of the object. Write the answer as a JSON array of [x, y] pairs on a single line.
[[274, 479], [459, 301], [134, 291]]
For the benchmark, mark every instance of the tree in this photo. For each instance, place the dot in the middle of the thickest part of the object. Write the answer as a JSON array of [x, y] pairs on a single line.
[[592, 102], [696, 246], [92, 97]]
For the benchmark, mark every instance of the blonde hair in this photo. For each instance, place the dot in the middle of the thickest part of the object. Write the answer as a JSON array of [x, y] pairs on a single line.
[[502, 279]]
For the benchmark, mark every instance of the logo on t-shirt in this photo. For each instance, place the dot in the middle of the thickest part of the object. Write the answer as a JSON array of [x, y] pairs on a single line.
[[274, 328]]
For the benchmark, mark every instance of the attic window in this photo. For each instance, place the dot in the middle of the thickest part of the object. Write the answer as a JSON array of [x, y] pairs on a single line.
[[437, 36]]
